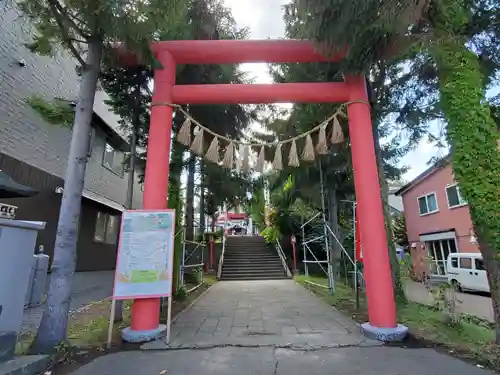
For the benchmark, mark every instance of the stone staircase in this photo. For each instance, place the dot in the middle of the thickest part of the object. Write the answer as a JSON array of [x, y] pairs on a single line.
[[250, 258]]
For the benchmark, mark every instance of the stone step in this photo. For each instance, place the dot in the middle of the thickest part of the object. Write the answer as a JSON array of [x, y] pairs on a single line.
[[263, 256], [254, 277], [254, 272], [252, 265], [250, 270], [248, 250], [244, 263]]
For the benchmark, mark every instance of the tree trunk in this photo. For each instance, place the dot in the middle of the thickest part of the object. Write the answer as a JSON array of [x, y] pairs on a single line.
[[399, 288], [189, 222], [472, 134], [52, 330], [175, 202]]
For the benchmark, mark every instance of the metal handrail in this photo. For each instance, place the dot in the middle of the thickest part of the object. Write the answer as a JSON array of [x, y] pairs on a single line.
[[283, 258], [221, 259]]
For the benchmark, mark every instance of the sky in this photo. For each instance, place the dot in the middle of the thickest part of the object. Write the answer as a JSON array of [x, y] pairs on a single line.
[[264, 20]]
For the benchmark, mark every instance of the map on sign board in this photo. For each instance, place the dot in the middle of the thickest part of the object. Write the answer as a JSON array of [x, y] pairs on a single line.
[[145, 255]]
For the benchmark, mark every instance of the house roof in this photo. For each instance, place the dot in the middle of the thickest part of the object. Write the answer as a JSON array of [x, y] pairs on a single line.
[[441, 163]]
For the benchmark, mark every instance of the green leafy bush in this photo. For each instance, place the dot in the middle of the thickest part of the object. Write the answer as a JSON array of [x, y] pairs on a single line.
[[270, 234]]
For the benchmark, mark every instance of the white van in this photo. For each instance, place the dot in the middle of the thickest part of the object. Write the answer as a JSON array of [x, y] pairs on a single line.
[[466, 271]]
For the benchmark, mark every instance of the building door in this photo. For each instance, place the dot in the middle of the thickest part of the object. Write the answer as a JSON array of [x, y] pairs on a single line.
[[438, 253]]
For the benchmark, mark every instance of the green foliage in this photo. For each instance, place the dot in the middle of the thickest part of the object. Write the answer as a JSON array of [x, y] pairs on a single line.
[[406, 267], [472, 132], [375, 27], [270, 234], [399, 232], [57, 112], [256, 206], [215, 236], [72, 24], [194, 276], [180, 294]]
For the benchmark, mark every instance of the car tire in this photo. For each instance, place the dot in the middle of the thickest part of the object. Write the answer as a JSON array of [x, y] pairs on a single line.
[[456, 285]]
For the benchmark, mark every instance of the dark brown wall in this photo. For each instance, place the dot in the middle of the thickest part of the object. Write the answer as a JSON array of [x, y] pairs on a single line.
[[91, 256]]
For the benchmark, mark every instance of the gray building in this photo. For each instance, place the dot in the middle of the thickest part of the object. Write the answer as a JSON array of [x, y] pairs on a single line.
[[34, 152]]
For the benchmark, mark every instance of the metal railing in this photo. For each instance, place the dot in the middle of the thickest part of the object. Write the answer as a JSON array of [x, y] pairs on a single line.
[[186, 256], [282, 256], [221, 259], [358, 279], [307, 249], [358, 276]]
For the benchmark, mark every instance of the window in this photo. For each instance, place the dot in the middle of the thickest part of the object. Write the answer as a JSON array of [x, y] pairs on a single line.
[[427, 204], [455, 199], [454, 262], [479, 264], [106, 228], [466, 263], [113, 160]]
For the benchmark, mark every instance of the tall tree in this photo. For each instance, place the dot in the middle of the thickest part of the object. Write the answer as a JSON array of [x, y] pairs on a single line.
[[461, 38], [86, 30]]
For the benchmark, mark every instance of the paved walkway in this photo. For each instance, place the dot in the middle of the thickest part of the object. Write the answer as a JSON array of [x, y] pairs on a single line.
[[277, 312], [271, 328]]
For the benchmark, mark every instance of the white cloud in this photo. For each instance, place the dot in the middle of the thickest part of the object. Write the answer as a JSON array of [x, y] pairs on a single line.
[[264, 19]]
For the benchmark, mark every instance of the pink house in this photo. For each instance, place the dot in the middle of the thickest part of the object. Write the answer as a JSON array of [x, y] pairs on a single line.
[[437, 219]]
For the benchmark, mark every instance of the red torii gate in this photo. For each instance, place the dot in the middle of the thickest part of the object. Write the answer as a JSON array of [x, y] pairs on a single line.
[[381, 305]]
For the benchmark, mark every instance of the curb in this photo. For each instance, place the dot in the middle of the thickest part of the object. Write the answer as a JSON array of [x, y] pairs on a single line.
[[188, 307]]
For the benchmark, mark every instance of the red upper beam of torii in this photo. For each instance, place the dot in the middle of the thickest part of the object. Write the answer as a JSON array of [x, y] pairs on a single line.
[[242, 51], [377, 272]]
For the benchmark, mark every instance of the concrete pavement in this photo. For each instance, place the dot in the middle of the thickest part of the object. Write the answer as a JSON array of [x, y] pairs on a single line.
[[270, 312], [275, 361], [271, 327]]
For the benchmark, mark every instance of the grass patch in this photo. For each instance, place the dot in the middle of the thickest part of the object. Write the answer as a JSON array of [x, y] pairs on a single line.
[[88, 327], [471, 339], [209, 279]]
